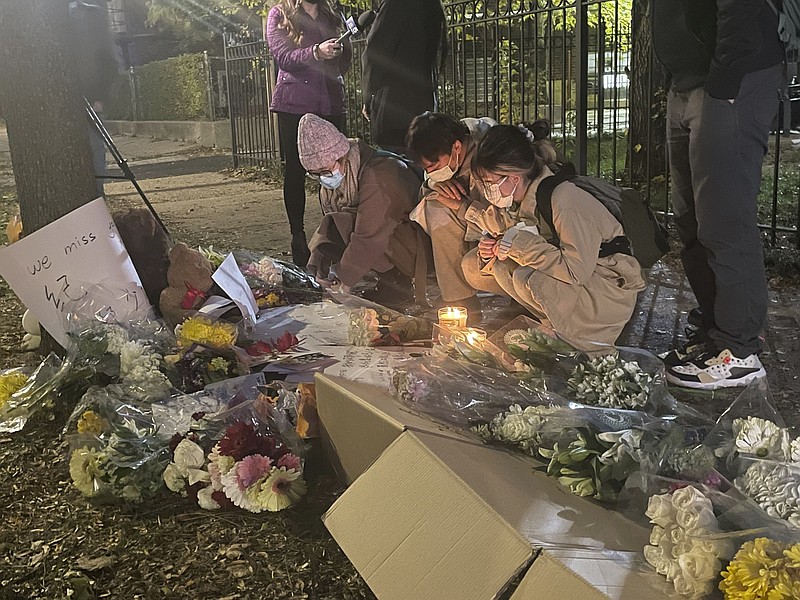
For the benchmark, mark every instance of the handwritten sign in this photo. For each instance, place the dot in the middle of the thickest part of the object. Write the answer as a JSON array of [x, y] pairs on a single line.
[[51, 268]]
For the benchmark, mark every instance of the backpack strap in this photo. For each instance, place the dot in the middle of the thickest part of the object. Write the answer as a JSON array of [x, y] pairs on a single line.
[[544, 195], [544, 203]]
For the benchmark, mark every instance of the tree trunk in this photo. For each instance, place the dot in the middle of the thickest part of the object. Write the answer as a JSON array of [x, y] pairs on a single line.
[[46, 122], [647, 132], [48, 131]]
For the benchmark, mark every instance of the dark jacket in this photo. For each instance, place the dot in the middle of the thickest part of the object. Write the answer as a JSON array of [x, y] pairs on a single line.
[[715, 43], [305, 84], [378, 235], [399, 66]]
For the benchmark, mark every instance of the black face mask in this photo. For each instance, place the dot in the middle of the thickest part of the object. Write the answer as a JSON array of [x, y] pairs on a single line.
[[312, 1]]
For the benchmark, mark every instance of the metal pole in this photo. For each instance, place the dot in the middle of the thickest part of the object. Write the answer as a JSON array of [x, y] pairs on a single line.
[[582, 85]]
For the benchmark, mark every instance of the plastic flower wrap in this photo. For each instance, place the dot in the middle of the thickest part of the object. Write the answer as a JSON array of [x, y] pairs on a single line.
[[45, 388], [458, 394], [117, 450], [763, 569], [626, 378], [684, 546]]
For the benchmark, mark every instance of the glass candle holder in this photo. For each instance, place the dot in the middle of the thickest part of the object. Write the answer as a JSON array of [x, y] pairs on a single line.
[[452, 317]]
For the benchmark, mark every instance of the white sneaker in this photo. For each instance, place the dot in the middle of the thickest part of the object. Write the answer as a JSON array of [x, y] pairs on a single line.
[[709, 371]]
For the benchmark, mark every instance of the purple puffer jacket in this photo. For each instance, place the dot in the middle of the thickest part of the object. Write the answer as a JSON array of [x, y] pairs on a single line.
[[305, 84]]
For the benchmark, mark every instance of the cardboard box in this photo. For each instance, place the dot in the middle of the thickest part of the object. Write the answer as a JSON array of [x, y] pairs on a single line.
[[359, 421], [434, 515], [435, 518]]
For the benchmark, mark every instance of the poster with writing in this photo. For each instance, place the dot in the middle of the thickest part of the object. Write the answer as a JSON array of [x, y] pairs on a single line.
[[51, 268]]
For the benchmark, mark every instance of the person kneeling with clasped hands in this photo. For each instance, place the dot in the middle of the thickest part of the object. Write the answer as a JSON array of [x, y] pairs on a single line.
[[567, 278]]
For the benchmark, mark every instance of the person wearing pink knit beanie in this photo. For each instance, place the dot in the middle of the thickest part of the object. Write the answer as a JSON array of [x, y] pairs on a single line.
[[365, 196]]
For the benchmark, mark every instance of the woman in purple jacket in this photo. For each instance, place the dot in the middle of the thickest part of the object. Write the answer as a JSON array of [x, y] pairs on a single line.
[[302, 37]]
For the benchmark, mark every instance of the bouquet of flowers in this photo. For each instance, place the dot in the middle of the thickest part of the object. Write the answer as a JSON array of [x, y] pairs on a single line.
[[251, 465], [683, 545], [378, 326], [131, 354], [458, 394], [22, 395], [272, 281], [117, 450], [763, 569]]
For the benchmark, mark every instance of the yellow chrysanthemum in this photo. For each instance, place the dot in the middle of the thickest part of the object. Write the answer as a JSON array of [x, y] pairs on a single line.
[[92, 423], [793, 554], [763, 569], [197, 330], [10, 383]]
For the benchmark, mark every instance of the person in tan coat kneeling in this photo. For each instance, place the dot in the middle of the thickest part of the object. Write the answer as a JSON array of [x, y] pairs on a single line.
[[572, 283], [365, 196]]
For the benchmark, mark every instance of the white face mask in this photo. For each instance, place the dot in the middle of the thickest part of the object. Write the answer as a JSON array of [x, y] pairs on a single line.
[[496, 197], [332, 181], [443, 174]]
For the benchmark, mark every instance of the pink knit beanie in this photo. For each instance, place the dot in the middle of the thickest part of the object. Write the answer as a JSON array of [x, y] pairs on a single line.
[[319, 143]]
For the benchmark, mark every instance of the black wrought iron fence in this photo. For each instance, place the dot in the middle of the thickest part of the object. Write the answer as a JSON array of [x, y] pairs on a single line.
[[573, 62]]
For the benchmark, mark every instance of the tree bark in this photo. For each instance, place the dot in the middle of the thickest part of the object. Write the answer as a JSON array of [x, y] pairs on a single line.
[[647, 131], [48, 133]]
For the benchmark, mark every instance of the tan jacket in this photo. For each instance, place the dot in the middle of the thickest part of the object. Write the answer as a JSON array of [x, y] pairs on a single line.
[[584, 297], [378, 235]]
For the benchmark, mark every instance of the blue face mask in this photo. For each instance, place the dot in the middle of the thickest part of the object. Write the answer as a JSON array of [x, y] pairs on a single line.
[[332, 181]]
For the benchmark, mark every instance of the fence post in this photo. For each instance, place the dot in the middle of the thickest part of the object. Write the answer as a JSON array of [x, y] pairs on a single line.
[[209, 86], [582, 84]]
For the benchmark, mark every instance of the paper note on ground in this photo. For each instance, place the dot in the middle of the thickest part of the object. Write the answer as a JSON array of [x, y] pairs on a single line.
[[368, 365], [230, 279], [51, 267]]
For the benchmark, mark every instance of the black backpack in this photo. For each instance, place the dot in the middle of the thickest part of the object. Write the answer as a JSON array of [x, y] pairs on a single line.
[[645, 238]]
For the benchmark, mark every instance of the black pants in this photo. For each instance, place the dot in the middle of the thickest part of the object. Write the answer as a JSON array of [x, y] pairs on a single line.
[[716, 149], [294, 191]]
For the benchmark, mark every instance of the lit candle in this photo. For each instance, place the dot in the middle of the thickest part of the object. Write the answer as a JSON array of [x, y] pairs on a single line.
[[453, 317]]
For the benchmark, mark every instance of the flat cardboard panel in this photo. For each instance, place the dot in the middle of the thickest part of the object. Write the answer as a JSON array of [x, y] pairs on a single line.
[[540, 509], [415, 530], [360, 421], [576, 574]]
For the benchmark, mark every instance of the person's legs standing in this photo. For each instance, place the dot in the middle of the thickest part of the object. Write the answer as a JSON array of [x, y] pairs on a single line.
[[728, 140], [727, 155], [694, 257], [294, 191]]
